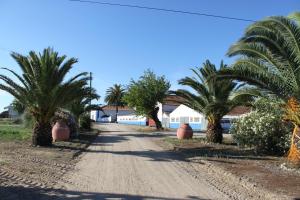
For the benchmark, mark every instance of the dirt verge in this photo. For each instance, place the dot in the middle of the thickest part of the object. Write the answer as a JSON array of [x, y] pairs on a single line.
[[259, 173], [23, 166]]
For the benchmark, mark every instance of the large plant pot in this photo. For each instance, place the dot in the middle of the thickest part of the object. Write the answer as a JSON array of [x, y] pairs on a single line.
[[60, 131], [185, 132]]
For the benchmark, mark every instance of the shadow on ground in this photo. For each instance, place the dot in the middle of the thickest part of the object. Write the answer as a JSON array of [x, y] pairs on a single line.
[[200, 150], [222, 151], [30, 193]]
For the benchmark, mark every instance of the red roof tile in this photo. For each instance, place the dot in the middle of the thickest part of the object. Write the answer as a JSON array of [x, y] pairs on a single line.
[[107, 107], [239, 110], [173, 100]]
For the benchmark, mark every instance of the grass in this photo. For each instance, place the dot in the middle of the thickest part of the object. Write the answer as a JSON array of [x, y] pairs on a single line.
[[6, 122], [10, 132]]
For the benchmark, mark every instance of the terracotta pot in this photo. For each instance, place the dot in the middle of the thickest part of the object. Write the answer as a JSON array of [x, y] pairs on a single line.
[[60, 131], [185, 132]]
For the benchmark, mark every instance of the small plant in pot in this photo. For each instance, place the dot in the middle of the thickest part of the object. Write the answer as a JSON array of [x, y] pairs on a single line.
[[69, 119], [63, 126]]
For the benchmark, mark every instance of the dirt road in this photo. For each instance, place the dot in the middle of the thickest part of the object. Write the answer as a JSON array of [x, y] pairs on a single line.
[[127, 165]]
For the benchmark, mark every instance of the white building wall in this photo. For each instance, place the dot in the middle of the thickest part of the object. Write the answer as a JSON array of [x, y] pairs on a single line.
[[132, 119], [93, 115], [196, 119], [184, 114], [183, 110]]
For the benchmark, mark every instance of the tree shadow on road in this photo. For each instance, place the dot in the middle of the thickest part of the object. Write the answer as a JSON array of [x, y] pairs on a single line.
[[36, 193]]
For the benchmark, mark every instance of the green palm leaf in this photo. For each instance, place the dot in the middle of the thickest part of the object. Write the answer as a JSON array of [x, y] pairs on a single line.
[[213, 97]]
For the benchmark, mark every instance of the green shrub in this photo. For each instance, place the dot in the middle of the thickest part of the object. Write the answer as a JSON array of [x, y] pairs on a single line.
[[263, 128], [85, 122], [28, 121], [17, 121]]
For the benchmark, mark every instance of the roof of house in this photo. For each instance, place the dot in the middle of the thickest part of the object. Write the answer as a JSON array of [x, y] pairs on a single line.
[[173, 100], [239, 110], [107, 107]]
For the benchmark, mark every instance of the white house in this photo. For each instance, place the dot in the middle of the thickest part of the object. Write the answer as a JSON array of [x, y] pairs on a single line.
[[183, 114], [235, 113], [12, 113], [127, 115], [108, 113], [197, 121], [169, 104], [132, 119]]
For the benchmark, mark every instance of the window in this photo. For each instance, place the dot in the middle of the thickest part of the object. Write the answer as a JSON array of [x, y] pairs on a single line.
[[191, 119], [177, 119], [196, 119], [172, 119]]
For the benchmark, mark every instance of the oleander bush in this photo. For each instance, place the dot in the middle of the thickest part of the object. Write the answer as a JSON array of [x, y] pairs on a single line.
[[264, 128]]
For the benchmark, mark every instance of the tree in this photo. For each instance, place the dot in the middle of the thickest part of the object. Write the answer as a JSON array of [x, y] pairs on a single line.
[[114, 96], [144, 94], [17, 106], [82, 105], [42, 88], [212, 97], [270, 59]]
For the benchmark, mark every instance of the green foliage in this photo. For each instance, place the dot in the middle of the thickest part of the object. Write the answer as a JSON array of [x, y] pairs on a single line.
[[263, 128], [114, 95], [82, 105], [28, 120], [296, 17], [42, 88], [14, 132], [267, 104], [17, 106], [85, 122], [269, 56], [143, 94], [213, 97]]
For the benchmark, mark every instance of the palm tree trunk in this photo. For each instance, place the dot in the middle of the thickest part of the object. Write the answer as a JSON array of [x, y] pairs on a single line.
[[155, 118], [293, 115], [214, 132], [41, 135], [294, 153]]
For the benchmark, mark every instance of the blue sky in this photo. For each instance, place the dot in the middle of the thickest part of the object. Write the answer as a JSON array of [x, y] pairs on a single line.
[[118, 44]]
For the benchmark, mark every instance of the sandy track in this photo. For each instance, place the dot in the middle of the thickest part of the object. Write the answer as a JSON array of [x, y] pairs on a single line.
[[129, 165]]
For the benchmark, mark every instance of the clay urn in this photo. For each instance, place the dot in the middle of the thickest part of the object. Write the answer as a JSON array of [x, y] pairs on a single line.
[[184, 132], [60, 131]]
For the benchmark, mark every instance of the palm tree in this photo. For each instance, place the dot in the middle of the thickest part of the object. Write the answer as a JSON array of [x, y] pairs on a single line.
[[42, 88], [214, 97], [83, 104], [270, 59], [114, 96]]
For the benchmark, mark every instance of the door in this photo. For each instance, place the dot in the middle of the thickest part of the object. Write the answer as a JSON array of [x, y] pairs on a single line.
[[166, 122], [184, 120]]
